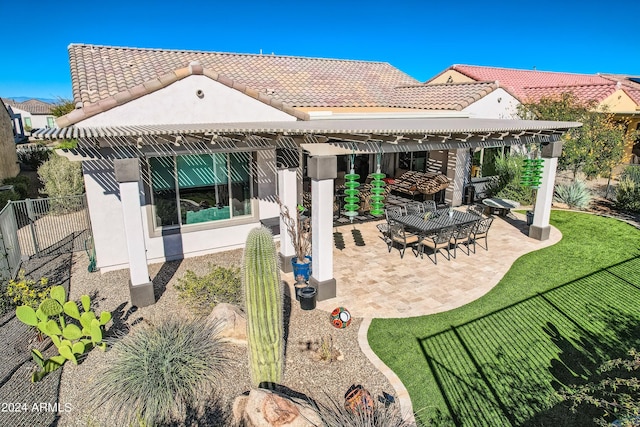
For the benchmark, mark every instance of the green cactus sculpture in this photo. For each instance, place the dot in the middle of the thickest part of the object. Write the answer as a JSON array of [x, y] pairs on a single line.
[[263, 299], [71, 339]]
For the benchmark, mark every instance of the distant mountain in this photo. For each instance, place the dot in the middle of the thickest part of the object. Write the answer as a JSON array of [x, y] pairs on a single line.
[[26, 98]]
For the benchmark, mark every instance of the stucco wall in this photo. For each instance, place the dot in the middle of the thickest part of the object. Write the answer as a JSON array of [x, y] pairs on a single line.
[[178, 103], [456, 77], [619, 102], [170, 105], [8, 157], [38, 121], [499, 104]]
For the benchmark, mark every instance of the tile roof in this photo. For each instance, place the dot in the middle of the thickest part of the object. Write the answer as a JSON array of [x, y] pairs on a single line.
[[594, 92], [516, 80], [448, 96], [33, 106], [101, 72]]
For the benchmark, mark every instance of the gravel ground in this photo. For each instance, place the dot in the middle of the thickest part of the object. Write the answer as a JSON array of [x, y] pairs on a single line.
[[303, 374]]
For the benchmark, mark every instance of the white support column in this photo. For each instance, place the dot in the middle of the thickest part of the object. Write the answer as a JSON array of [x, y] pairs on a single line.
[[540, 228], [322, 170], [458, 169], [140, 286], [287, 193]]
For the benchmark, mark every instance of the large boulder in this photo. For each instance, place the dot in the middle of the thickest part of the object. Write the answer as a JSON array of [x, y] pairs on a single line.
[[265, 408], [233, 322]]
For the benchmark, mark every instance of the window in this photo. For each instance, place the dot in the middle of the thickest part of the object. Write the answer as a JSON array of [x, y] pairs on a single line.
[[27, 122], [415, 161], [50, 122], [199, 188]]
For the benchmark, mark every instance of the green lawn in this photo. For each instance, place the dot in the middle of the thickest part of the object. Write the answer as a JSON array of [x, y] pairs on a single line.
[[551, 320]]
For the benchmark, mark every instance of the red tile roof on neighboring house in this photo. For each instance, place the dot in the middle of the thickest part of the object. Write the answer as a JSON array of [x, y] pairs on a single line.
[[450, 96], [100, 72], [515, 80], [587, 93]]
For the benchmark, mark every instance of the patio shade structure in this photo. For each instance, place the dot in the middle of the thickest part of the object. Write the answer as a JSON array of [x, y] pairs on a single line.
[[323, 140]]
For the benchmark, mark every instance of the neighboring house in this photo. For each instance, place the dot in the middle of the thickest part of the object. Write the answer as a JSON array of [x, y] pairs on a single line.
[[184, 152], [9, 166], [620, 94], [35, 114]]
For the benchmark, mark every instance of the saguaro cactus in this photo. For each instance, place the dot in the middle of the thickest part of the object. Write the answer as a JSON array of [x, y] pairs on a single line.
[[263, 299]]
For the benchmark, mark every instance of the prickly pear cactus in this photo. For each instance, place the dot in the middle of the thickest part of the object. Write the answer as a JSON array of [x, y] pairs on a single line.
[[71, 339], [263, 299]]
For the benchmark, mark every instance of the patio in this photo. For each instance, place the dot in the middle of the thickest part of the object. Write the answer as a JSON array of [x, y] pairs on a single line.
[[374, 283]]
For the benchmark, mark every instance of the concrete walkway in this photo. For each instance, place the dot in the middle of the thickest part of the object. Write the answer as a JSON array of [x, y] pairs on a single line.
[[373, 283]]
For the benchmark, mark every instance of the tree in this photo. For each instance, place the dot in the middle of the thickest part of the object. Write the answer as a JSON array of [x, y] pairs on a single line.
[[596, 147], [62, 107]]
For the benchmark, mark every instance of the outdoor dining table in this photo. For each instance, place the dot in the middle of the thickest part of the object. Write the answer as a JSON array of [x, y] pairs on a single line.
[[437, 221]]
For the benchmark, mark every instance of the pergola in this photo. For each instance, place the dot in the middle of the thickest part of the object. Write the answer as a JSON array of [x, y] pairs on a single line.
[[322, 140]]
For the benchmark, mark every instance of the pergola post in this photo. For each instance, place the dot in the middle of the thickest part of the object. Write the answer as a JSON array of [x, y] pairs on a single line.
[[287, 193], [322, 170], [458, 168], [127, 174], [540, 228]]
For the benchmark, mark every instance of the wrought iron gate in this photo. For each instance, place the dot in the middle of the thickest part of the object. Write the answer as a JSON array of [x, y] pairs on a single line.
[[39, 227]]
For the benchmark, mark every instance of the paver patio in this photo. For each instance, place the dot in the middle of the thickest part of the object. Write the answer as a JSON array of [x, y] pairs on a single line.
[[371, 282]]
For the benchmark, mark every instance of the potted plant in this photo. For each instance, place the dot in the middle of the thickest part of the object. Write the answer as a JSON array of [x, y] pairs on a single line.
[[299, 229]]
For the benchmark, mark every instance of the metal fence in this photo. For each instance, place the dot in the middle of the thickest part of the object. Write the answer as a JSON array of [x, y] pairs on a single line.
[[38, 227]]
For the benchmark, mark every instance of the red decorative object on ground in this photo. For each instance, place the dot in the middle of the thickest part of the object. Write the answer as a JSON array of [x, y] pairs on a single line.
[[340, 318]]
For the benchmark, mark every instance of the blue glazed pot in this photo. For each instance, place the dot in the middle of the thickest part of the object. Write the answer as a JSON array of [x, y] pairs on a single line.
[[301, 269]]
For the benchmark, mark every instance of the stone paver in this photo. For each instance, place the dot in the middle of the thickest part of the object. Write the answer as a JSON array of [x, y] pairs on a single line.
[[373, 283]]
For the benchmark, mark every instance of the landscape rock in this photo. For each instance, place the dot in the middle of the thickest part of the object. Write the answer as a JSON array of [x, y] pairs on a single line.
[[266, 408], [233, 322]]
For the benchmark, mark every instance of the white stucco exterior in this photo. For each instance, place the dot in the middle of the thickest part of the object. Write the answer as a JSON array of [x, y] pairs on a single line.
[[499, 104], [38, 121], [180, 103], [177, 103]]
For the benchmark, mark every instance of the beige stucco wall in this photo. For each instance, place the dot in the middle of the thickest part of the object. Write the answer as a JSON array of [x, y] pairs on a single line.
[[619, 102], [8, 157], [456, 77]]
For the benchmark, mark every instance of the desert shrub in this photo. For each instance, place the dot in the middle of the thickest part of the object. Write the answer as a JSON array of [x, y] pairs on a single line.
[[575, 195], [5, 196], [67, 144], [61, 179], [32, 156], [24, 291], [20, 185], [628, 190], [157, 372], [332, 412], [506, 182], [616, 392], [202, 293]]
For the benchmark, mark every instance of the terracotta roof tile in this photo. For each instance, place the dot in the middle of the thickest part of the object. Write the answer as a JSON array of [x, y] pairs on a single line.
[[515, 80], [448, 96], [98, 72], [594, 92]]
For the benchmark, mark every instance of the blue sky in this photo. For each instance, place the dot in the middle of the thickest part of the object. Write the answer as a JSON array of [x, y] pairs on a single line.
[[421, 38]]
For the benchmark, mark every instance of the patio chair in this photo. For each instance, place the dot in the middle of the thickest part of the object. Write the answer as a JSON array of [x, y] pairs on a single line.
[[383, 227], [393, 212], [480, 232], [437, 243], [477, 209], [414, 208], [398, 235], [429, 206], [462, 236]]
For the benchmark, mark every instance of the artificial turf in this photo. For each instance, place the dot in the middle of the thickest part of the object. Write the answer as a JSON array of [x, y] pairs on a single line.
[[553, 318]]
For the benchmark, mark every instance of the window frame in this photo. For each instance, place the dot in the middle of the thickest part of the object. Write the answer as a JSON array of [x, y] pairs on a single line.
[[156, 230]]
